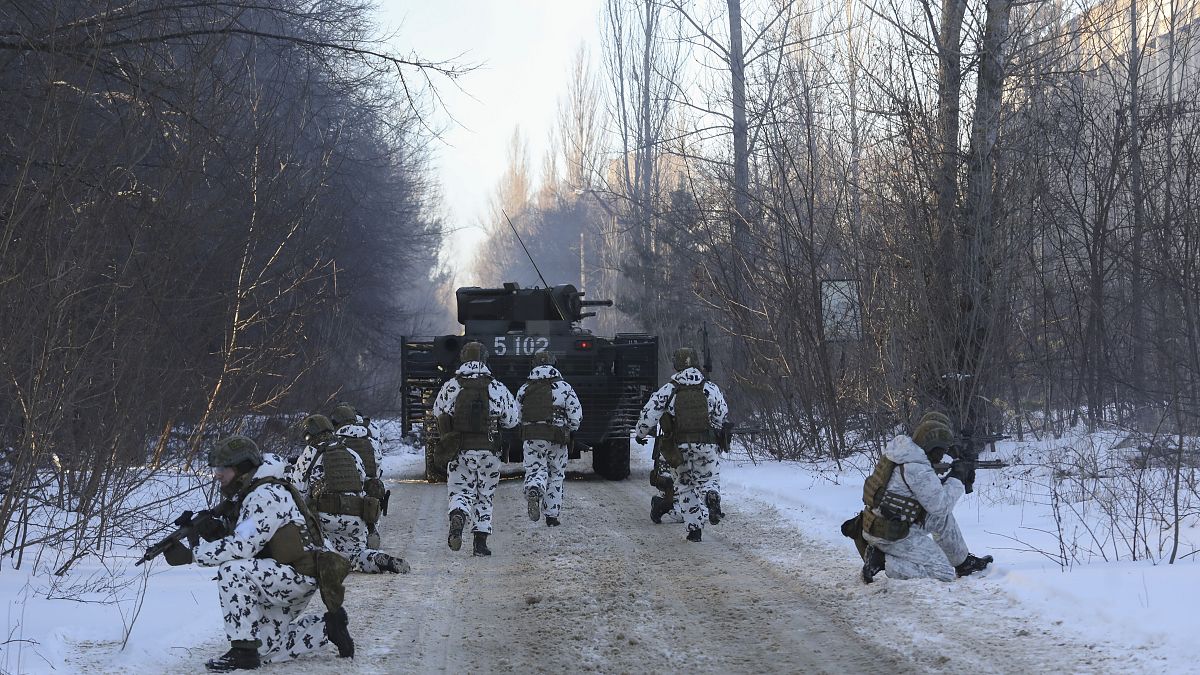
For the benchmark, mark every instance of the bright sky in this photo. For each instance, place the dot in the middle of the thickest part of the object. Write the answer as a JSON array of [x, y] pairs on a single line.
[[525, 48]]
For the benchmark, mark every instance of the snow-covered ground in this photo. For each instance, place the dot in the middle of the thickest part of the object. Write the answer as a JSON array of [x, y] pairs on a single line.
[[1137, 607]]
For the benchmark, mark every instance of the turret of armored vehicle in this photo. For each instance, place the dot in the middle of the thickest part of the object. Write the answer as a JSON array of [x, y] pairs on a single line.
[[614, 376]]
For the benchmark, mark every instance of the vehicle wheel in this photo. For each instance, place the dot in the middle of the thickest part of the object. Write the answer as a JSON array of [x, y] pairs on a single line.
[[611, 459]]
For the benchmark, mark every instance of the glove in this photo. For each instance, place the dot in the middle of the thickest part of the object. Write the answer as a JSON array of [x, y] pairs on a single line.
[[403, 566], [964, 470], [640, 440], [177, 554], [210, 527]]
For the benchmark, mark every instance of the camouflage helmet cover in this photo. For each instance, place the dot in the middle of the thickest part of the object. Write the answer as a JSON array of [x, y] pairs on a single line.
[[684, 358], [935, 416], [233, 450], [545, 358], [342, 415], [930, 435], [473, 351], [316, 424]]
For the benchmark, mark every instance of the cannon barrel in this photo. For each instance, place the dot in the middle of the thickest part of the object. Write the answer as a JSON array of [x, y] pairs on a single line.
[[596, 303]]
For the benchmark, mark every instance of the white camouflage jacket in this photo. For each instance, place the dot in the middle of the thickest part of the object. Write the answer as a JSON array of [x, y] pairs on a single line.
[[663, 401], [266, 509], [568, 412], [502, 407], [914, 477]]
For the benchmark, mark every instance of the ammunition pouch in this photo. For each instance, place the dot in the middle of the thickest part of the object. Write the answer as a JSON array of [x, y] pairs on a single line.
[[286, 547], [372, 507], [375, 488], [338, 504], [883, 527], [543, 431], [331, 571]]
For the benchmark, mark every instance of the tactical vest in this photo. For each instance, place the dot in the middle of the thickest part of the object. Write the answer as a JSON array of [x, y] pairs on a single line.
[[690, 421], [362, 446], [341, 471], [290, 545], [472, 418], [888, 515], [339, 494], [538, 412]]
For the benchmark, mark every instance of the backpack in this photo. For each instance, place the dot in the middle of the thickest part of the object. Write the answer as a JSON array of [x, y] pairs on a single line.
[[537, 413], [365, 449], [472, 415], [690, 423]]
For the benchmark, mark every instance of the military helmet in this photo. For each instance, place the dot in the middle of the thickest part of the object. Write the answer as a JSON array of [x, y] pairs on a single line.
[[314, 425], [930, 435], [233, 450], [935, 416], [342, 415], [473, 351], [544, 359], [684, 358]]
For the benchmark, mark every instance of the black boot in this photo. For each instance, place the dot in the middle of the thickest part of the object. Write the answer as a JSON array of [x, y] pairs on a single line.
[[694, 535], [659, 507], [481, 544], [873, 562], [337, 629], [551, 521], [457, 520], [237, 658], [713, 501], [533, 503], [972, 564]]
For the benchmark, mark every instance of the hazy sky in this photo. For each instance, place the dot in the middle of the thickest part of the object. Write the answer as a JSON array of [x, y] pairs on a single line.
[[525, 48]]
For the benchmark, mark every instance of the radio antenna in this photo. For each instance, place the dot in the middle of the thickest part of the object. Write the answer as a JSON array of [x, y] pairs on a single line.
[[553, 299]]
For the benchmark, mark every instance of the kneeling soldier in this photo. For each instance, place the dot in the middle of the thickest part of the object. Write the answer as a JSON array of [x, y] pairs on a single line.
[[332, 477], [267, 566], [909, 511], [550, 411], [354, 432]]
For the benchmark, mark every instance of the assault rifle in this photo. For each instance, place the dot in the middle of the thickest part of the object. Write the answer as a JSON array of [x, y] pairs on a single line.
[[943, 467], [212, 524], [967, 450], [383, 503]]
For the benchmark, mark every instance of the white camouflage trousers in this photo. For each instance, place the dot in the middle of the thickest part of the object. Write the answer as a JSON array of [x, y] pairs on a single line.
[[261, 600], [699, 473], [928, 552], [471, 480], [348, 536], [545, 469]]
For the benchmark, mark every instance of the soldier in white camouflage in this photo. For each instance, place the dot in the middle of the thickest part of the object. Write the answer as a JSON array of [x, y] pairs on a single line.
[[332, 478], [470, 408], [909, 511], [689, 409], [354, 432], [550, 411], [266, 565]]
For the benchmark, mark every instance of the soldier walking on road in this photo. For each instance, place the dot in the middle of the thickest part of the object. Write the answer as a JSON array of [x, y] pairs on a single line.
[[332, 477], [266, 564], [470, 408], [550, 411], [690, 410]]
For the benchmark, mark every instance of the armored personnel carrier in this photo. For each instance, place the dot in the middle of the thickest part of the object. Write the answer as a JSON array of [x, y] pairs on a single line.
[[614, 376]]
